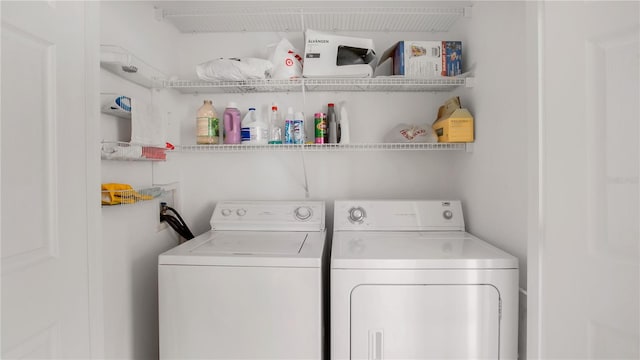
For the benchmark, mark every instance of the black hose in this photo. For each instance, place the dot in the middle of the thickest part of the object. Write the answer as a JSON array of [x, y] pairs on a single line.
[[178, 224]]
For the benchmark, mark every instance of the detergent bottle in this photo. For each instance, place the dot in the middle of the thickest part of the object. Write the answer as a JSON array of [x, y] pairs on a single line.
[[254, 131], [231, 120]]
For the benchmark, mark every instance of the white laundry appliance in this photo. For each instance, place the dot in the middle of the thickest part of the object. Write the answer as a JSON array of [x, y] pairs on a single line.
[[407, 282], [251, 288]]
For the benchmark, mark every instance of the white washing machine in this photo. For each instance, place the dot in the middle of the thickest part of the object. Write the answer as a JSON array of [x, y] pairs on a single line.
[[407, 282], [251, 288]]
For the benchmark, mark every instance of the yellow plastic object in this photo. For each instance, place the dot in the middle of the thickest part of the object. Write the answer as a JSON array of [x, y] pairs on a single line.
[[114, 194]]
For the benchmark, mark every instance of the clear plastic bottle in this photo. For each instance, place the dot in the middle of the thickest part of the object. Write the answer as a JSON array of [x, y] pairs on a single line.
[[332, 124], [207, 124], [275, 131]]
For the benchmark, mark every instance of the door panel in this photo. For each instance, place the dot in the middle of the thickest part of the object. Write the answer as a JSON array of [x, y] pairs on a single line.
[[45, 311], [425, 322], [590, 282]]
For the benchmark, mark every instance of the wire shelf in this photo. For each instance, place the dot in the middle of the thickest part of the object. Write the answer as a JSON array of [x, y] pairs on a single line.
[[125, 194], [126, 65], [377, 84], [318, 147], [213, 17], [118, 150]]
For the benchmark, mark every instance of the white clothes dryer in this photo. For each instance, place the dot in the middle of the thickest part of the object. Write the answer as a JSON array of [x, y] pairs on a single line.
[[251, 288], [407, 282]]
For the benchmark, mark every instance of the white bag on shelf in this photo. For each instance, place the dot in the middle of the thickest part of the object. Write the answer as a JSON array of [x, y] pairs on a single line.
[[234, 69], [286, 60]]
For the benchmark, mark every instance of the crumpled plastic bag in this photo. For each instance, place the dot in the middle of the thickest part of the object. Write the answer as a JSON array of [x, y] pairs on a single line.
[[234, 69], [287, 61], [405, 133]]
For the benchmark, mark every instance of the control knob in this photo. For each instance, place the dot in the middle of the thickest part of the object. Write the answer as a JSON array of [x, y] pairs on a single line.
[[303, 213], [241, 212], [226, 212], [357, 215]]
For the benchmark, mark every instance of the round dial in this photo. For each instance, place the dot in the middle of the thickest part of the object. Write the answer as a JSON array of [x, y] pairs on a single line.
[[303, 213], [357, 215], [241, 212], [226, 212], [447, 214]]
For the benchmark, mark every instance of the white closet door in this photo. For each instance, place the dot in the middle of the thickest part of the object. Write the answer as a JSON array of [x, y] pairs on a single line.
[[45, 312], [590, 165]]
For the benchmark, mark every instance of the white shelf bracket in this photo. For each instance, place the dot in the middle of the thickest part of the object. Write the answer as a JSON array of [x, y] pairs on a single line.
[[468, 147], [467, 11], [470, 82], [158, 14]]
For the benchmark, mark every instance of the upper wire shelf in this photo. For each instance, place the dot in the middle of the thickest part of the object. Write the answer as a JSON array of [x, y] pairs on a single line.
[[381, 84], [199, 17], [126, 65]]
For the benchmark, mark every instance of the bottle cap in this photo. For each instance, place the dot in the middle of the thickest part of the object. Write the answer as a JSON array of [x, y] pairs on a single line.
[[252, 108], [274, 106], [232, 104], [331, 105]]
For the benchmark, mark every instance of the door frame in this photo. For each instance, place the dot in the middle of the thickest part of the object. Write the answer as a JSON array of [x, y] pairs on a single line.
[[94, 212]]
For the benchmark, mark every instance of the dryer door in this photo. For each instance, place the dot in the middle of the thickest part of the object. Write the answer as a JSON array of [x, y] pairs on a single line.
[[425, 322]]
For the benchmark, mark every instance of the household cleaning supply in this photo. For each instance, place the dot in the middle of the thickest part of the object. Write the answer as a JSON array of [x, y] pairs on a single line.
[[343, 126], [288, 126], [332, 124], [232, 125], [275, 131], [207, 124], [254, 131], [298, 128], [320, 127], [117, 105]]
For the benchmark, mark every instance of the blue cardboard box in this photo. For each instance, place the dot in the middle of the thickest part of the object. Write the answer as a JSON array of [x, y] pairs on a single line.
[[425, 59]]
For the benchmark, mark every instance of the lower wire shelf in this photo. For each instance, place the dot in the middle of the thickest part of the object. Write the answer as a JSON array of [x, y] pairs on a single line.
[[320, 147]]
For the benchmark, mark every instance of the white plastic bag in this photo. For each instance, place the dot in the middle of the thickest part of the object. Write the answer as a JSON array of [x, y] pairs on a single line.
[[234, 69], [404, 133], [287, 61]]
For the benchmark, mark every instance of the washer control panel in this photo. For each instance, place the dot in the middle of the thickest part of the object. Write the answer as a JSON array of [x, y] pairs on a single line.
[[268, 215], [398, 215]]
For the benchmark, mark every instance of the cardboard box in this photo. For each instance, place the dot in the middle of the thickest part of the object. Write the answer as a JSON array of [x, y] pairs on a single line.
[[454, 123], [425, 59], [332, 55]]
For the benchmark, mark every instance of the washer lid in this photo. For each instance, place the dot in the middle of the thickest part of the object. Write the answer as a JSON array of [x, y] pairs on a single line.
[[249, 248], [416, 250]]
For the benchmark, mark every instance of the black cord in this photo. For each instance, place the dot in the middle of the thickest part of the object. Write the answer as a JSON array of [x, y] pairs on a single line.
[[177, 224]]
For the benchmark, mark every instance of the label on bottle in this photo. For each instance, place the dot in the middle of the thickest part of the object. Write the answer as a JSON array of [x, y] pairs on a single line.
[[320, 120], [298, 131], [288, 132], [207, 127]]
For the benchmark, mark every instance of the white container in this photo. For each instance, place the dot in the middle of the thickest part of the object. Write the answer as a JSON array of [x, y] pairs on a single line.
[[254, 131], [343, 126]]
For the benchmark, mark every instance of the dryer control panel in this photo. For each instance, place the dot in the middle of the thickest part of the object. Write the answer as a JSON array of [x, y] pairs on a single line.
[[398, 215], [269, 215]]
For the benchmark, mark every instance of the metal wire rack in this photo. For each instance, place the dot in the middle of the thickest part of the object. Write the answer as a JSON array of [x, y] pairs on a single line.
[[318, 147], [377, 84], [222, 17]]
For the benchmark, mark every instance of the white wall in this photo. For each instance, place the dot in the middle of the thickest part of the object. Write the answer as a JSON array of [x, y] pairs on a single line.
[[131, 241], [492, 182]]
